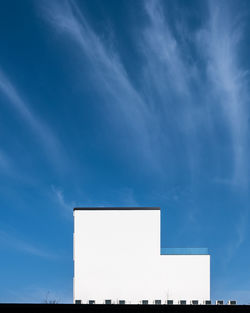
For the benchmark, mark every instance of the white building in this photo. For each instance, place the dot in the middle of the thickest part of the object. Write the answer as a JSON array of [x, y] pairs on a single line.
[[118, 257]]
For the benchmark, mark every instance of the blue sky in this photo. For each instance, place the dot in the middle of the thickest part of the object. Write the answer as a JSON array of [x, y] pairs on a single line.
[[123, 103]]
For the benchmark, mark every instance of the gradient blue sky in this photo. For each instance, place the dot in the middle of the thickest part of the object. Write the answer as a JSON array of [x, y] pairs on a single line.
[[123, 103]]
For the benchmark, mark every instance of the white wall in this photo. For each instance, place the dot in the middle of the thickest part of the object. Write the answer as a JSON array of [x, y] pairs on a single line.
[[117, 256], [185, 277]]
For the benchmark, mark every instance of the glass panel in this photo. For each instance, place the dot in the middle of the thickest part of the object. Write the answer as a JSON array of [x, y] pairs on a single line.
[[157, 301], [207, 302], [78, 301], [121, 301], [166, 251], [108, 301]]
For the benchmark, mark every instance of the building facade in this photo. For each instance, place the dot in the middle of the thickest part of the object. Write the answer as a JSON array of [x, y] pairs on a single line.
[[118, 259]]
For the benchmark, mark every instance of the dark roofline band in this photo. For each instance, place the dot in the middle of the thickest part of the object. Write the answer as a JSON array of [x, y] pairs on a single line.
[[114, 208]]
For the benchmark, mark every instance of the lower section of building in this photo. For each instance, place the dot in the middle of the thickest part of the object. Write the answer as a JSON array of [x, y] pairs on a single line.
[[118, 260]]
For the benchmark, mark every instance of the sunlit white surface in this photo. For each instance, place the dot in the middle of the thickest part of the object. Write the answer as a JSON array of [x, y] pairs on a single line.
[[117, 257]]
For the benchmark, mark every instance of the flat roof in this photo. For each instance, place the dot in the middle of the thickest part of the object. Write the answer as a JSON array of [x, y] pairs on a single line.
[[114, 208]]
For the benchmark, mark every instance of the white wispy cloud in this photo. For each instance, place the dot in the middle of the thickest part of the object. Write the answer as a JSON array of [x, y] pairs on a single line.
[[179, 95], [169, 78], [240, 231], [228, 81], [13, 241], [110, 76], [60, 199], [164, 54], [190, 98], [241, 228], [51, 145]]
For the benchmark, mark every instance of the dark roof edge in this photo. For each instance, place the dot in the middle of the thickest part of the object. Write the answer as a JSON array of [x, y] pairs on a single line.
[[114, 208]]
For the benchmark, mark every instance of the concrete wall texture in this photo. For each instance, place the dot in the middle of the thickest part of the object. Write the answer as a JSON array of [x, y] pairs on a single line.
[[117, 257]]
